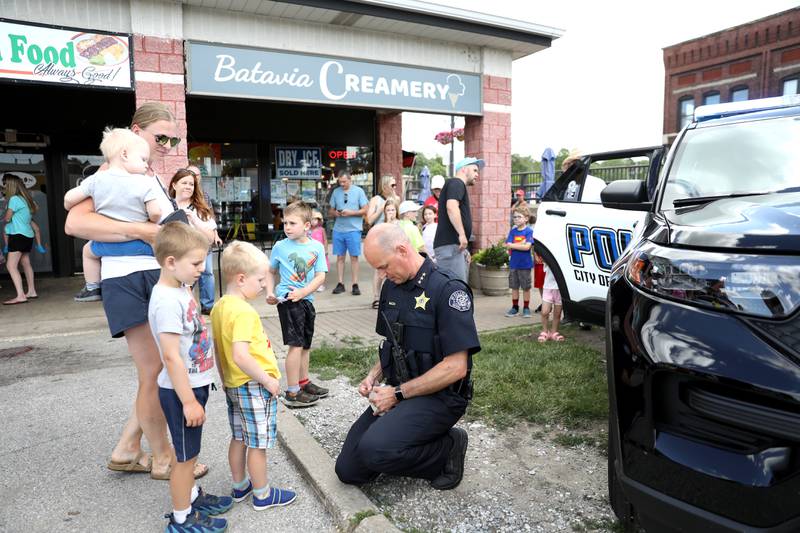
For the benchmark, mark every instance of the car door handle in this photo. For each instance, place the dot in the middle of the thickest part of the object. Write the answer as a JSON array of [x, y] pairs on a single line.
[[557, 213]]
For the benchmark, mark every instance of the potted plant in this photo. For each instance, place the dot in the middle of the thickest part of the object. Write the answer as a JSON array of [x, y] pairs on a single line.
[[474, 270], [494, 274]]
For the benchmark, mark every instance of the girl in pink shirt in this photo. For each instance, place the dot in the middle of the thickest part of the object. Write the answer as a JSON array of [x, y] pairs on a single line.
[[318, 234]]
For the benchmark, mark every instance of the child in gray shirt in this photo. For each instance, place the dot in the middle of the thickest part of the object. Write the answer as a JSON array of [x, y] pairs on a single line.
[[121, 192]]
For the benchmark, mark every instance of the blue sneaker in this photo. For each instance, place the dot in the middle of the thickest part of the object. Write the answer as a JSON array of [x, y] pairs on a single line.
[[196, 523], [526, 313], [241, 495], [210, 505], [275, 498], [512, 312]]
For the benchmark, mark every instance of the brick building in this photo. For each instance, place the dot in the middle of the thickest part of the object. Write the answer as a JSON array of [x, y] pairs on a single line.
[[754, 60], [272, 97]]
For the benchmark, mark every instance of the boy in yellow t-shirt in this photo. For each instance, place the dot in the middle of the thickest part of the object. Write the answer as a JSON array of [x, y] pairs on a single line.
[[250, 374]]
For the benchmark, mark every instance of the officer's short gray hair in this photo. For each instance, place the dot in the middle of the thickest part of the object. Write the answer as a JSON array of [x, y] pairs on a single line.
[[388, 236]]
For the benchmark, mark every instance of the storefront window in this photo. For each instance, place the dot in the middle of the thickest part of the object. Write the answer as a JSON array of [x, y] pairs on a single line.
[[359, 160], [30, 168], [229, 177], [78, 168]]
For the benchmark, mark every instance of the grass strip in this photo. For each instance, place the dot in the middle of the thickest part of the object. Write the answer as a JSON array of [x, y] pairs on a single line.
[[516, 379]]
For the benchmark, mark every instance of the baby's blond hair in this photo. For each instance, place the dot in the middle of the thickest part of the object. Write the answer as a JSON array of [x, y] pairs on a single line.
[[117, 140], [241, 258], [177, 239]]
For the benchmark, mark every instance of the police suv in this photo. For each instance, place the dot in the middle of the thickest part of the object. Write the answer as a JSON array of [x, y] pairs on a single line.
[[703, 326], [580, 239]]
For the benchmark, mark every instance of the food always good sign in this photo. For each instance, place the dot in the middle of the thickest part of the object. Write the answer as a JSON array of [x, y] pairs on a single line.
[[255, 73], [66, 56]]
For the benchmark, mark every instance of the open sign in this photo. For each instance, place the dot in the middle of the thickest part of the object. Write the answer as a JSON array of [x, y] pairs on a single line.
[[342, 154]]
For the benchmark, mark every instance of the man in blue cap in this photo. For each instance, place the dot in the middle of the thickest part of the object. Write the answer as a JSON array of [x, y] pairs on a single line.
[[455, 219]]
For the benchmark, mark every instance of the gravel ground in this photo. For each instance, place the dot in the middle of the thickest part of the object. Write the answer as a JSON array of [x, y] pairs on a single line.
[[515, 479]]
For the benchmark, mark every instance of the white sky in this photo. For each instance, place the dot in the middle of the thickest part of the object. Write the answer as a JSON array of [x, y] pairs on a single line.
[[600, 86]]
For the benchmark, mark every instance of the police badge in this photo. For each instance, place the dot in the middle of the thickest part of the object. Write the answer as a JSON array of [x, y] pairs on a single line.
[[460, 301]]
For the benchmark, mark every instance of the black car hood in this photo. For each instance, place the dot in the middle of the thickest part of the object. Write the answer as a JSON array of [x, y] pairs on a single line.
[[770, 222]]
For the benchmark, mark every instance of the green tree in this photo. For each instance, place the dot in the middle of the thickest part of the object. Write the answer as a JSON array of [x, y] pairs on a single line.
[[617, 162], [560, 157], [523, 163], [435, 164]]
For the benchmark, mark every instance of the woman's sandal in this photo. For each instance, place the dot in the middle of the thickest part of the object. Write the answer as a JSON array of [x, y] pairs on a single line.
[[375, 304], [556, 336], [543, 336], [200, 470], [135, 465]]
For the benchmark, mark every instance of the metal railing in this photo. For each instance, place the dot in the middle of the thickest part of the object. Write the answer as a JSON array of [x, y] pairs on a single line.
[[530, 181]]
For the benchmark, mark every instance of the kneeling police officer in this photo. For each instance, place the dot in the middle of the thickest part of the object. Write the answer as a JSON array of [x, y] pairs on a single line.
[[426, 318]]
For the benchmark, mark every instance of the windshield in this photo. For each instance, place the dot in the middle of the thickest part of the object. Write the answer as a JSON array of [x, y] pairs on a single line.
[[746, 157]]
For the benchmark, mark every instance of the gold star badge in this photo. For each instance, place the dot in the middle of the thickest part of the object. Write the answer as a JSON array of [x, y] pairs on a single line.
[[421, 301]]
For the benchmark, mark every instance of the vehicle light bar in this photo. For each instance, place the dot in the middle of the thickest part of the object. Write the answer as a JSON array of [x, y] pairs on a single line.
[[708, 112]]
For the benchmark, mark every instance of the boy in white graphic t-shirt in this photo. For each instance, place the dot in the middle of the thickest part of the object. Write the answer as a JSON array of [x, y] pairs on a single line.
[[184, 344]]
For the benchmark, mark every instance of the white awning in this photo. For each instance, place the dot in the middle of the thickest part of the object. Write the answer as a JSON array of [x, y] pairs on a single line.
[[406, 17]]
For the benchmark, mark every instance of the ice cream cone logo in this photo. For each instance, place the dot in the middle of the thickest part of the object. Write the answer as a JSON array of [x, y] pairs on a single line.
[[455, 88]]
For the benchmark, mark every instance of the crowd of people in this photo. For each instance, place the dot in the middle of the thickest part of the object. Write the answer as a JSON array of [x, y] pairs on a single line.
[[148, 245], [149, 242]]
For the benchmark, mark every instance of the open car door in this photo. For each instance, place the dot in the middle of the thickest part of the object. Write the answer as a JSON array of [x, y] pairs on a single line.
[[580, 239]]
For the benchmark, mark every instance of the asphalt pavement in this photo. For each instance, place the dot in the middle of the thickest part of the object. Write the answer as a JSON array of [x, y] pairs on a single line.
[[61, 417]]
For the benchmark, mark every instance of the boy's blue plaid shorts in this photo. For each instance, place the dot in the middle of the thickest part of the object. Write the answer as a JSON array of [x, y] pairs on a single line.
[[252, 414]]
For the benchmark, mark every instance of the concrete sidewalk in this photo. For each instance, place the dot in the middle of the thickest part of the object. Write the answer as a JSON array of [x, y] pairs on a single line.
[[55, 313]]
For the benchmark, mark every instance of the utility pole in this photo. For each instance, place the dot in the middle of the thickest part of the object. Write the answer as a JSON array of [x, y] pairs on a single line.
[[452, 145]]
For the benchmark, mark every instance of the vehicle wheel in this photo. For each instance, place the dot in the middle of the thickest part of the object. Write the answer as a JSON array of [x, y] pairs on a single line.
[[621, 506]]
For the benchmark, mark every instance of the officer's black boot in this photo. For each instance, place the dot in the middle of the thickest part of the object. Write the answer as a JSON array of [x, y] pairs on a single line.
[[454, 467]]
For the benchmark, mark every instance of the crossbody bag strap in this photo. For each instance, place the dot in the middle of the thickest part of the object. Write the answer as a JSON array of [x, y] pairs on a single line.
[[170, 198]]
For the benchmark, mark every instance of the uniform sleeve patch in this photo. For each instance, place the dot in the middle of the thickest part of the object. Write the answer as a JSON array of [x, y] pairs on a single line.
[[460, 301]]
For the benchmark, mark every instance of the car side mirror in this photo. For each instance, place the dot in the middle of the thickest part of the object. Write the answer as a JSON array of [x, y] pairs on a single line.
[[630, 195]]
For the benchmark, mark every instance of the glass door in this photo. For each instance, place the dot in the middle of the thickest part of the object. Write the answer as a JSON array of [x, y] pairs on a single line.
[[78, 168], [31, 169], [229, 177]]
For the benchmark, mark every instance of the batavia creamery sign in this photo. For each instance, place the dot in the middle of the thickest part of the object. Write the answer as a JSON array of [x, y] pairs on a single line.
[[252, 73], [66, 56]]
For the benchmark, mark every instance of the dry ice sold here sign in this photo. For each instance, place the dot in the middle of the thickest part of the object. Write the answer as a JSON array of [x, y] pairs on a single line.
[[296, 162], [46, 54]]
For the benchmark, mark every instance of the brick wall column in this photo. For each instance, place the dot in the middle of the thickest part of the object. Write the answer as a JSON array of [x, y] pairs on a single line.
[[390, 148], [489, 138], [159, 72]]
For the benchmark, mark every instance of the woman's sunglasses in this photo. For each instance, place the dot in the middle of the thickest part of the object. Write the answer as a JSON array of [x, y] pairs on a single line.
[[164, 139]]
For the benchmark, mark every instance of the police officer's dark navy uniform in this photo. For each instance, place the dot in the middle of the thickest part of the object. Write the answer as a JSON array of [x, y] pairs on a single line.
[[433, 313]]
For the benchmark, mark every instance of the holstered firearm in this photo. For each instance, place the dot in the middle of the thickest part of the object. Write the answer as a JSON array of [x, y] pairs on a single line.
[[395, 332]]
